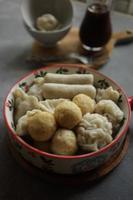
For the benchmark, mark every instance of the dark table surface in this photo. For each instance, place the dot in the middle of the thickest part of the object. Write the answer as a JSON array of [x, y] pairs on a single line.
[[15, 45]]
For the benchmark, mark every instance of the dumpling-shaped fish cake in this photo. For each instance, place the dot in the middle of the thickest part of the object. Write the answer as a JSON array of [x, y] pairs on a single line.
[[93, 132], [108, 93], [68, 114], [41, 125], [36, 88], [85, 103], [64, 142], [24, 103], [51, 104], [21, 127], [109, 109]]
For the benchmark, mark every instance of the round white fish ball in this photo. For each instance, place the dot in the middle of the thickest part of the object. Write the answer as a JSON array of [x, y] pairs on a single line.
[[47, 22]]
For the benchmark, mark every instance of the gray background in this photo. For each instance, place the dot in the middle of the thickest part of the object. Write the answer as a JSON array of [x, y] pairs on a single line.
[[15, 45]]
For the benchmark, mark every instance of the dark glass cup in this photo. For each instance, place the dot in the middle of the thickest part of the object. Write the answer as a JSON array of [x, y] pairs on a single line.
[[96, 28]]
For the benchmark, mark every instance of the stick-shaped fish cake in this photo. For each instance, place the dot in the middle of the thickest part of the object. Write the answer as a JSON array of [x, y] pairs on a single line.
[[55, 91], [69, 78]]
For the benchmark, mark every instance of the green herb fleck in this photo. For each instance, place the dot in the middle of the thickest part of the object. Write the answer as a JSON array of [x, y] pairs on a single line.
[[62, 71], [40, 74], [102, 84]]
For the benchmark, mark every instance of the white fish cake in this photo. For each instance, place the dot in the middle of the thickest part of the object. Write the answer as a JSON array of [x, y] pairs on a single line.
[[69, 78], [108, 93], [66, 91], [109, 109], [21, 127], [36, 88], [51, 104], [24, 103], [93, 132]]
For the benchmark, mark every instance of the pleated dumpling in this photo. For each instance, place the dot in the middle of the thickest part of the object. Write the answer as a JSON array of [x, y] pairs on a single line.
[[93, 132], [108, 93], [51, 104], [21, 127], [24, 103], [36, 88], [109, 109]]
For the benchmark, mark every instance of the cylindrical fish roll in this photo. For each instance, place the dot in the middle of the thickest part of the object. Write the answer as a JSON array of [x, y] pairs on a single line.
[[69, 78], [55, 91]]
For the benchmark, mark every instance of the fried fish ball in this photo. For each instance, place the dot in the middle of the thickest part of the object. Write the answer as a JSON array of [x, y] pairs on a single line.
[[68, 114], [85, 103], [47, 22], [41, 126], [64, 142]]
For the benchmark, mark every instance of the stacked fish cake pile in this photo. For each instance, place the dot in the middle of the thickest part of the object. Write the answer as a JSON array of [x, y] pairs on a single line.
[[67, 113]]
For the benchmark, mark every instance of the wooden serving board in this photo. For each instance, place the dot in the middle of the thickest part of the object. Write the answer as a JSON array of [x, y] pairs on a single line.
[[72, 44], [74, 180]]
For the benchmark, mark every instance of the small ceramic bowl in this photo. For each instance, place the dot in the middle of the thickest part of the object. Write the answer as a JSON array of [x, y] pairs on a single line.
[[59, 163], [61, 9]]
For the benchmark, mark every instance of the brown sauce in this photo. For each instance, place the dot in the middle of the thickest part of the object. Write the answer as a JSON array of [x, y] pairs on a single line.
[[96, 30]]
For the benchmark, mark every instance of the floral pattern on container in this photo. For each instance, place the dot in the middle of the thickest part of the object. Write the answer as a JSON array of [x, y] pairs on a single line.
[[89, 164], [62, 70], [10, 104], [24, 86], [40, 74], [47, 164]]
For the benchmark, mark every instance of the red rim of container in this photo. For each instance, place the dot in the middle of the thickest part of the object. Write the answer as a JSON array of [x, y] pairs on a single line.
[[50, 155]]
